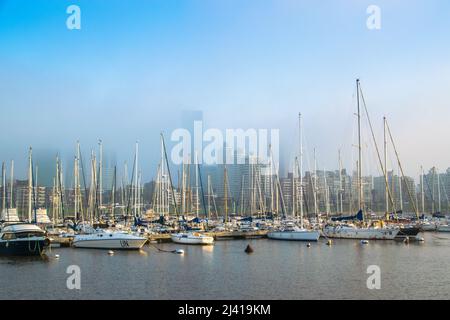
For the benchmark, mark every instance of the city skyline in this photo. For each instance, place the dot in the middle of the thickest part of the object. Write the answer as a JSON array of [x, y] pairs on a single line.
[[98, 82]]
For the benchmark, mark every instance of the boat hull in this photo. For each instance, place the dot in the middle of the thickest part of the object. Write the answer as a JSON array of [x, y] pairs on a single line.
[[361, 234], [195, 241], [294, 235], [409, 231], [23, 247], [116, 244], [443, 228]]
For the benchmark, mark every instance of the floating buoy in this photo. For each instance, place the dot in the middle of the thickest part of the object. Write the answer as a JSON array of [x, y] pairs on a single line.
[[364, 241], [420, 239], [329, 243], [56, 256], [309, 245], [406, 240], [110, 252], [179, 251], [249, 249]]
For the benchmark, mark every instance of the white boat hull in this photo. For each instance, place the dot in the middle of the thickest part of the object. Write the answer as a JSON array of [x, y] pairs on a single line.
[[361, 233], [443, 228], [204, 240], [120, 242], [304, 235], [428, 227]]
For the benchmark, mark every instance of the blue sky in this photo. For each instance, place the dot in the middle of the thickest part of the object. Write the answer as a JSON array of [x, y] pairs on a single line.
[[135, 65]]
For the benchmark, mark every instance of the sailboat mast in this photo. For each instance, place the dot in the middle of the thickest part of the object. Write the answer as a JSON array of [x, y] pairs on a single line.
[[360, 191], [11, 192], [3, 187], [100, 175], [30, 183], [422, 189], [439, 191], [386, 190], [316, 211], [197, 200], [301, 167], [341, 189]]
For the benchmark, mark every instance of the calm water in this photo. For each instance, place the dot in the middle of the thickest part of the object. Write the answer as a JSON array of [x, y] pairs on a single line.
[[276, 270]]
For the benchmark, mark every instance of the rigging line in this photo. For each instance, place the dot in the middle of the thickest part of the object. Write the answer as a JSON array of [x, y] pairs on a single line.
[[170, 176], [378, 152], [401, 169]]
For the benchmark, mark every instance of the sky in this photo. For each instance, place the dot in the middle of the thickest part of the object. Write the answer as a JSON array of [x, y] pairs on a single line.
[[134, 66]]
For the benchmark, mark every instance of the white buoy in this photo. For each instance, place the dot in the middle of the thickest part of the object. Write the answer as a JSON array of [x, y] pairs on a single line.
[[56, 256], [179, 251], [110, 252], [309, 245], [364, 241], [420, 239]]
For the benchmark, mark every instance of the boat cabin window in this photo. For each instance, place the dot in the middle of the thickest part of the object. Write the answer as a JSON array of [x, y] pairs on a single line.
[[8, 236], [22, 235]]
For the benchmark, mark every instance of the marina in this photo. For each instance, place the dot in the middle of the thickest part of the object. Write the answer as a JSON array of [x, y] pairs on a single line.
[[275, 270]]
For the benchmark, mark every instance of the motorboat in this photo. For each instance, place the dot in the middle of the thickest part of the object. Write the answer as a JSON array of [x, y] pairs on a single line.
[[23, 239], [192, 238], [106, 239]]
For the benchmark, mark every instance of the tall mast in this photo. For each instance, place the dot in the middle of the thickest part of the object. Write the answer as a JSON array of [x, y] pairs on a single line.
[[301, 166], [197, 200], [293, 190], [360, 191], [30, 183], [422, 190], [136, 176], [341, 189], [3, 187], [209, 196], [11, 197], [100, 175], [439, 191], [386, 185], [316, 211], [225, 186]]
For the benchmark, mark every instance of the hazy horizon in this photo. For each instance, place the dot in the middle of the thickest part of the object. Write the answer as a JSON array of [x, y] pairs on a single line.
[[133, 67]]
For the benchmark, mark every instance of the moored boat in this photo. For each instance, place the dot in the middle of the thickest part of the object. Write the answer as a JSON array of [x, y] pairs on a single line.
[[192, 238], [109, 240], [350, 231], [294, 233], [23, 239]]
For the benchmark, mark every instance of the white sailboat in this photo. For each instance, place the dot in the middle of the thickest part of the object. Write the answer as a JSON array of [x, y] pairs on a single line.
[[351, 231], [192, 238]]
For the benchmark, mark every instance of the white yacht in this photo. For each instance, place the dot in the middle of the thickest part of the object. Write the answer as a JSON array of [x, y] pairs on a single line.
[[350, 231], [291, 232], [192, 238], [443, 228], [427, 226], [105, 239]]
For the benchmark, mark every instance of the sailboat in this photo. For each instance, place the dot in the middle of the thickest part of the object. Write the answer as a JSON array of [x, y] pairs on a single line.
[[8, 214], [350, 230], [289, 231]]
